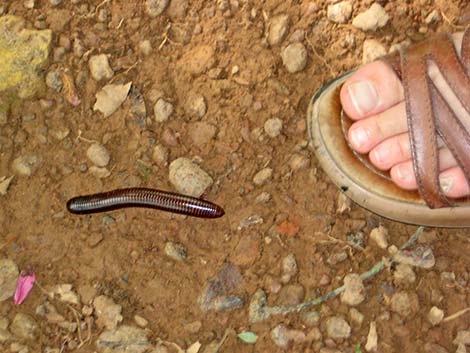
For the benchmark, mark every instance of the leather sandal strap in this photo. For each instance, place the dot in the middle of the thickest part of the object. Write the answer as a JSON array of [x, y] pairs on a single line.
[[428, 114]]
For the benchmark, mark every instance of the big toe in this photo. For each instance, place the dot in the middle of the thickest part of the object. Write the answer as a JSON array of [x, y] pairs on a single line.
[[372, 89]]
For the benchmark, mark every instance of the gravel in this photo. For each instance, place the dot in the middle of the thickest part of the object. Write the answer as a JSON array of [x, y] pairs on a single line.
[[196, 106], [354, 291], [54, 81], [162, 110], [99, 67], [435, 315], [24, 327], [289, 268], [282, 336], [340, 12], [155, 8], [98, 155], [273, 127], [263, 176], [372, 19], [8, 276], [175, 251], [123, 340], [337, 327], [108, 313], [379, 236], [188, 178], [278, 28], [371, 50]]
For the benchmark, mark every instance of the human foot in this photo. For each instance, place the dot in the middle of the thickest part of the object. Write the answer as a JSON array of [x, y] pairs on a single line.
[[374, 98]]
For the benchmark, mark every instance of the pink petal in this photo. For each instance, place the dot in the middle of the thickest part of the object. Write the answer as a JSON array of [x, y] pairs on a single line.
[[23, 287]]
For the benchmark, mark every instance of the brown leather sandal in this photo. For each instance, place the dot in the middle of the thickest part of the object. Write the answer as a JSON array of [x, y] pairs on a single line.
[[429, 117]]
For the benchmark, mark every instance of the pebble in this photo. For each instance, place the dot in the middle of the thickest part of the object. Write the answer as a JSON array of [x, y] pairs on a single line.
[[435, 315], [371, 50], [433, 17], [29, 4], [145, 47], [289, 268], [124, 339], [5, 184], [421, 256], [298, 162], [247, 251], [198, 60], [8, 276], [310, 318], [24, 327], [372, 19], [405, 304], [25, 165], [55, 2], [155, 7], [98, 155], [175, 251], [273, 127], [110, 98], [336, 258], [202, 132], [356, 316], [337, 327], [188, 178], [98, 172], [399, 46], [108, 313], [278, 28], [53, 81], [371, 344], [291, 294], [340, 12], [264, 197], [250, 221], [379, 236], [160, 155], [140, 321], [263, 176], [99, 67], [196, 106], [343, 203], [463, 337], [461, 348], [294, 57], [65, 293], [282, 336], [162, 110], [404, 274], [354, 291]]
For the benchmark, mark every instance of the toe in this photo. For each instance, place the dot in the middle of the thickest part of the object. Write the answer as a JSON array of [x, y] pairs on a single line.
[[367, 133], [390, 152], [453, 183], [371, 90]]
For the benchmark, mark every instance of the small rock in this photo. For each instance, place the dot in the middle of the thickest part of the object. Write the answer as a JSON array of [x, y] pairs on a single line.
[[278, 28], [188, 178], [162, 110], [24, 327], [372, 19], [463, 337], [196, 106], [29, 4], [8, 276], [435, 315], [289, 268], [263, 176], [145, 47], [99, 67], [404, 274], [65, 293], [336, 258], [140, 321], [291, 294], [124, 339], [433, 17], [294, 57], [356, 316], [98, 172], [155, 7], [337, 328], [399, 46], [193, 327], [98, 155], [404, 304], [264, 197], [198, 60], [53, 81], [202, 132], [160, 155], [282, 336], [310, 318], [250, 221], [298, 162], [461, 348], [340, 12], [55, 2], [343, 203], [273, 127], [107, 312], [110, 98], [354, 292], [421, 256], [379, 236], [4, 184], [247, 251], [175, 251], [371, 344], [25, 165], [371, 50]]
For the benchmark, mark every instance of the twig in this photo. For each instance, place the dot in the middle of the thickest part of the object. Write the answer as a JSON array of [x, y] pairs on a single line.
[[449, 22], [320, 57], [259, 310], [456, 315], [219, 345]]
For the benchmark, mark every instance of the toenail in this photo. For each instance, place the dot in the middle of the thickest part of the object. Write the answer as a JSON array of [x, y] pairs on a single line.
[[359, 137], [363, 96], [447, 183], [380, 155], [404, 173]]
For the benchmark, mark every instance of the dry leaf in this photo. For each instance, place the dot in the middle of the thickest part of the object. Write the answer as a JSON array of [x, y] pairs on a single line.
[[110, 98]]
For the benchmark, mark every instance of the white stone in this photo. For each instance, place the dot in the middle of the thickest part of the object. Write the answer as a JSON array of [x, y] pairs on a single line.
[[98, 155], [340, 12], [273, 127], [372, 19], [371, 344], [294, 57], [372, 50], [99, 67], [379, 236], [435, 315]]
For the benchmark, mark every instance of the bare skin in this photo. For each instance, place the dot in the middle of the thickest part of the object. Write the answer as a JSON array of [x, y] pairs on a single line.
[[373, 97]]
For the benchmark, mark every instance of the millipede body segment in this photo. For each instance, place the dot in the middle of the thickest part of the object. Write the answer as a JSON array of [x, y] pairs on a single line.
[[144, 197]]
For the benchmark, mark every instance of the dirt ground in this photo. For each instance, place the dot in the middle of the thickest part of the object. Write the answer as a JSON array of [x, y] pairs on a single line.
[[122, 254]]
